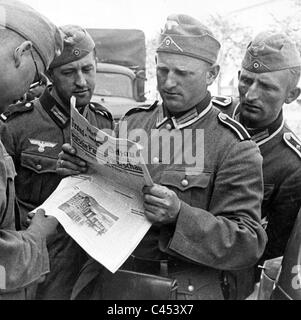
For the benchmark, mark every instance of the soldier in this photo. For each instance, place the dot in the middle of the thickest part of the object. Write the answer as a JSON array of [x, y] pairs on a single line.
[[29, 42], [268, 79], [206, 217], [33, 135]]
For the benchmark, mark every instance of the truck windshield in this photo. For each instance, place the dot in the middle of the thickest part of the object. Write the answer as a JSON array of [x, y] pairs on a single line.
[[113, 84]]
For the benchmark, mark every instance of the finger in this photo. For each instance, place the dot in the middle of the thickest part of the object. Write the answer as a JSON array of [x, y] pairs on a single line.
[[27, 222], [30, 215], [66, 147], [156, 190], [153, 209], [155, 201], [40, 211], [65, 164], [150, 216], [67, 172], [64, 157]]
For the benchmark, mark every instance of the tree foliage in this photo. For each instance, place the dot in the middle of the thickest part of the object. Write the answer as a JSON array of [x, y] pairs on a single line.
[[234, 38]]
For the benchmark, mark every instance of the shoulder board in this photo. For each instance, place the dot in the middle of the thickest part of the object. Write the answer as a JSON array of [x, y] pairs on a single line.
[[293, 142], [16, 109], [234, 126], [143, 107], [97, 108], [222, 101]]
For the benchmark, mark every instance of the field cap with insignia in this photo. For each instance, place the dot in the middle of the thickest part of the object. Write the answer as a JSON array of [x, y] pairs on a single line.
[[77, 44], [271, 52], [187, 36], [32, 26]]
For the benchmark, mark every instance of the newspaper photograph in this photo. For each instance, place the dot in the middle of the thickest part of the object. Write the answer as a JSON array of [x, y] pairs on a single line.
[[103, 210]]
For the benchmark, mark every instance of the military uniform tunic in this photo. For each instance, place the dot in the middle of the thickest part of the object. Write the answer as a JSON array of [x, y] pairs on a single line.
[[34, 135], [281, 151], [218, 226], [23, 255], [221, 204]]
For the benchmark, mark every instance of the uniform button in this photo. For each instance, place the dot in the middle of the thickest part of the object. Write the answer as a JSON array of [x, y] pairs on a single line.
[[168, 126], [39, 167], [28, 104], [155, 160], [190, 288], [184, 182], [223, 116]]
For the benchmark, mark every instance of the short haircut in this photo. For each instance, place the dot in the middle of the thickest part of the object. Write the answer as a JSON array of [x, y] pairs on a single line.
[[294, 76]]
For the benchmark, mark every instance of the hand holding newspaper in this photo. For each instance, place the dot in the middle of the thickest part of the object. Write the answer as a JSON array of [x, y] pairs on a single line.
[[103, 211]]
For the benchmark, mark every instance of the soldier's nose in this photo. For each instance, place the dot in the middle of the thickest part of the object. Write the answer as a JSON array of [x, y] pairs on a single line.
[[170, 81], [251, 94], [80, 80]]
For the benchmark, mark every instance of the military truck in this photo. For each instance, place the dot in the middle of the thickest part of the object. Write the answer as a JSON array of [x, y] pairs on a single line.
[[120, 78]]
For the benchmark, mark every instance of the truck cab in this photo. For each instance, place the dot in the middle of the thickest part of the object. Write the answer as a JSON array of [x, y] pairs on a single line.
[[120, 78], [116, 89]]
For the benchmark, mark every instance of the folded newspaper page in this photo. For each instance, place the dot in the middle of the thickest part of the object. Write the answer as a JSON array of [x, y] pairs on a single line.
[[103, 211]]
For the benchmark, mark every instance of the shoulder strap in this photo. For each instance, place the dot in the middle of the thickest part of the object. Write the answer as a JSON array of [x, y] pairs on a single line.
[[16, 109], [235, 126], [293, 142], [97, 108], [144, 107], [223, 101]]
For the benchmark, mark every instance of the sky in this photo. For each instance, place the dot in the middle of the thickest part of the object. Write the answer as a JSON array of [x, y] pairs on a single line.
[[150, 15]]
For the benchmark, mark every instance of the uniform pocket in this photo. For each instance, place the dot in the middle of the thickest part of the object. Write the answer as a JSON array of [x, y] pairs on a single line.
[[37, 178], [38, 163], [192, 189]]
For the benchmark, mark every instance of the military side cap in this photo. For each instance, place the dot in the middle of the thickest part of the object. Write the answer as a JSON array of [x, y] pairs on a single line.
[[77, 44], [271, 52], [187, 36], [32, 26]]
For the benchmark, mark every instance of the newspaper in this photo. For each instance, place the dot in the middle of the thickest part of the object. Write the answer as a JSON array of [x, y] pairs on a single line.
[[103, 210]]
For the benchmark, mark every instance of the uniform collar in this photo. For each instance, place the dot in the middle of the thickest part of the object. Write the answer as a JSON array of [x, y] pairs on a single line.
[[55, 107], [185, 119], [58, 113], [263, 135]]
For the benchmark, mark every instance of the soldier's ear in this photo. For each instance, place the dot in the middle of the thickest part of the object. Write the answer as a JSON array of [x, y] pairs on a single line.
[[21, 51], [212, 74], [293, 94]]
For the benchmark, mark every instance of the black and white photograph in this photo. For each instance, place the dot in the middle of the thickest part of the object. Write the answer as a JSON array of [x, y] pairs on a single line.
[[209, 94]]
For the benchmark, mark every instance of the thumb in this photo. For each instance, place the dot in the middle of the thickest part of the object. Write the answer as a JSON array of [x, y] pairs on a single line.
[[40, 217], [40, 212]]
